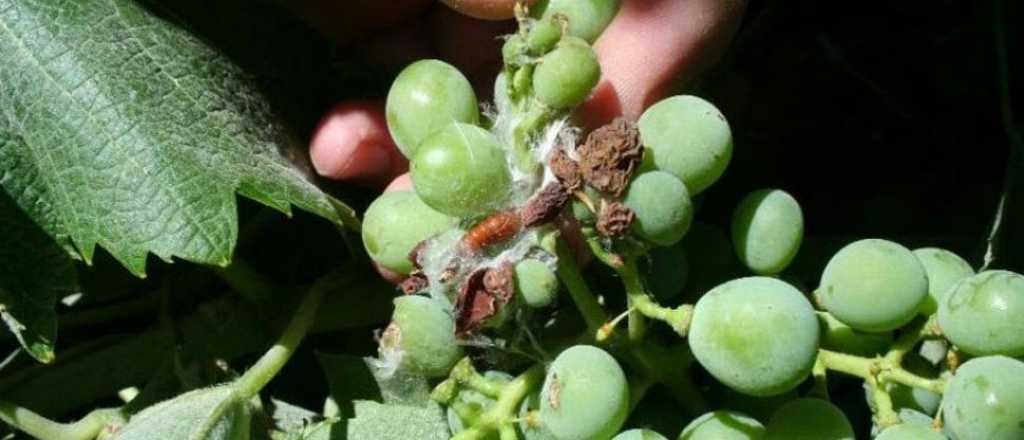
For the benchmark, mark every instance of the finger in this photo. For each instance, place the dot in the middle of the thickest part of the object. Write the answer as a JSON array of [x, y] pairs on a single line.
[[485, 9], [352, 143], [471, 45], [654, 46], [344, 21]]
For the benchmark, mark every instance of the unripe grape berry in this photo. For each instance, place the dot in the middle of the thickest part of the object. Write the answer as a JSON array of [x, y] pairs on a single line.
[[873, 285], [687, 136], [985, 400], [984, 314], [723, 425], [944, 269], [461, 171], [425, 97], [514, 50], [566, 75], [767, 229], [543, 36], [536, 283], [809, 419], [585, 395], [395, 223], [639, 434], [587, 18], [910, 431], [840, 337], [422, 334], [662, 206]]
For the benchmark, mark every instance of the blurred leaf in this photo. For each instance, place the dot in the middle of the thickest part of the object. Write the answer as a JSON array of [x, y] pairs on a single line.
[[354, 378], [217, 413], [121, 128], [376, 421]]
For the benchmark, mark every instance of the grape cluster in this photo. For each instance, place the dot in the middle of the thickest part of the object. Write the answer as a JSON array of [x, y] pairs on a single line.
[[507, 201]]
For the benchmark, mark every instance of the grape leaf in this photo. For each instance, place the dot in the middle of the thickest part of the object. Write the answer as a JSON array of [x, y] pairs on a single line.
[[217, 413], [120, 128], [34, 273], [352, 378], [377, 421]]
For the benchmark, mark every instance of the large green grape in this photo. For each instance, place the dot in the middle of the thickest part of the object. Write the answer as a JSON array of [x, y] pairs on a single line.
[[566, 75], [425, 97], [461, 171], [985, 400], [757, 335], [910, 431], [723, 425], [944, 270], [767, 228], [687, 136], [587, 18], [422, 333], [809, 419], [984, 314], [395, 223], [662, 206], [668, 270], [585, 395], [873, 285], [536, 283], [840, 337], [639, 434]]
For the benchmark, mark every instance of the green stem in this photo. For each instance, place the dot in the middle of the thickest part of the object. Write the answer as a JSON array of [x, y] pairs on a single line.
[[846, 363], [877, 369], [820, 374], [645, 306], [885, 414], [636, 295], [499, 417], [593, 314], [909, 339], [274, 359], [43, 428], [246, 280]]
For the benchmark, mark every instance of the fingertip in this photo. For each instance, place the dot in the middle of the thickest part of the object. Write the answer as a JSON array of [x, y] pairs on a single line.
[[400, 183], [352, 143]]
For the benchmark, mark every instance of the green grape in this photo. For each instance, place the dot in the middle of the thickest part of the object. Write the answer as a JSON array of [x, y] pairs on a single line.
[[543, 36], [585, 395], [757, 335], [530, 431], [717, 263], [723, 425], [917, 399], [587, 18], [809, 419], [984, 314], [687, 136], [767, 228], [461, 171], [668, 270], [910, 431], [840, 337], [639, 434], [422, 332], [944, 269], [985, 400], [566, 75], [873, 285], [536, 283], [395, 223], [425, 97], [662, 206]]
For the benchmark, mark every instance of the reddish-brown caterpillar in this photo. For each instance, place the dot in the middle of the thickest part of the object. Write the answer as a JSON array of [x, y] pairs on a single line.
[[496, 228]]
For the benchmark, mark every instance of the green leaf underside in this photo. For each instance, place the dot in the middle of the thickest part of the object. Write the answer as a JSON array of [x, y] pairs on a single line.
[[353, 378], [34, 273], [376, 421], [122, 129], [216, 413]]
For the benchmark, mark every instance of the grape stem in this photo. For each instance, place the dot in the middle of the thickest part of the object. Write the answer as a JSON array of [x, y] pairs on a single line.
[[880, 368], [500, 416], [593, 314], [42, 428], [908, 340], [644, 305]]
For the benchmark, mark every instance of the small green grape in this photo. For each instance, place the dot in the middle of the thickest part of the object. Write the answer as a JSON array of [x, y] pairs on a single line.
[[531, 404], [543, 36], [723, 425], [662, 206], [395, 223], [425, 97], [536, 283], [985, 400], [809, 419], [873, 285], [687, 136], [581, 211], [840, 337], [566, 75], [639, 434], [757, 335], [514, 50], [909, 431], [423, 333], [585, 395], [587, 18], [461, 171], [767, 228], [944, 270], [668, 271], [984, 314]]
